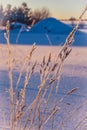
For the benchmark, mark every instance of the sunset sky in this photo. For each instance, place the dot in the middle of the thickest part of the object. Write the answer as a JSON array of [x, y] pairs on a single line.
[[61, 9]]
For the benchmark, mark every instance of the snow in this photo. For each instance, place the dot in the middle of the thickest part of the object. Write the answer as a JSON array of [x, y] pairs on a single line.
[[46, 32], [50, 26], [73, 107]]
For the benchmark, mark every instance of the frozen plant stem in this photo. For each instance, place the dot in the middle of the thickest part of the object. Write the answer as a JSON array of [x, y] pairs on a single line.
[[69, 40], [35, 108], [10, 77]]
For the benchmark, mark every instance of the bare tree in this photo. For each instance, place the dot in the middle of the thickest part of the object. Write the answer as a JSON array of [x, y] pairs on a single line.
[[72, 19], [40, 14]]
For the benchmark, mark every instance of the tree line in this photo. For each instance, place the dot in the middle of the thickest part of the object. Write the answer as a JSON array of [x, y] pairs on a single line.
[[22, 14]]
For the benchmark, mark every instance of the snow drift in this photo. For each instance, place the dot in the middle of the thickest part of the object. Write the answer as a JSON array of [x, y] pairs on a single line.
[[50, 26], [49, 31]]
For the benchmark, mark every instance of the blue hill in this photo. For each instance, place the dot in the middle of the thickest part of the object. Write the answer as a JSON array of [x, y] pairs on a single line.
[[49, 31], [50, 26]]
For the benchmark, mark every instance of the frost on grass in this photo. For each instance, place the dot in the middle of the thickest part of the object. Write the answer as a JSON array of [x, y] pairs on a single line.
[[42, 111]]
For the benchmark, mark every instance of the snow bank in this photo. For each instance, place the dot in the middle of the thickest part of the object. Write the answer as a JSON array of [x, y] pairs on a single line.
[[50, 26], [49, 31]]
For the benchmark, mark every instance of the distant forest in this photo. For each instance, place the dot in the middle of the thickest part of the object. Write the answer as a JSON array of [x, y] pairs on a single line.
[[22, 14]]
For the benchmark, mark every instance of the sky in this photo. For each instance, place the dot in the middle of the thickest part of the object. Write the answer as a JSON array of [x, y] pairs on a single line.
[[60, 9]]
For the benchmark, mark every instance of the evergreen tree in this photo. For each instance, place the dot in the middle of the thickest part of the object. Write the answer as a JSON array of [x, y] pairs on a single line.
[[21, 14], [1, 14]]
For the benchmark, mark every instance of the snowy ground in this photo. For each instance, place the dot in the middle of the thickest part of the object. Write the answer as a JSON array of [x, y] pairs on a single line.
[[49, 31], [73, 109], [72, 114]]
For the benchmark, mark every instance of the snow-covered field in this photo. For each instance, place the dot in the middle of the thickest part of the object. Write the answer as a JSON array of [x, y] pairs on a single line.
[[72, 105], [73, 112]]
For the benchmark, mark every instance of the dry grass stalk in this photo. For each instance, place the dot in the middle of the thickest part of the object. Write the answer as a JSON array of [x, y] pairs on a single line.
[[20, 103], [10, 76], [39, 119], [79, 124], [49, 73], [68, 93], [62, 56], [55, 109], [45, 67], [23, 91], [26, 61]]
